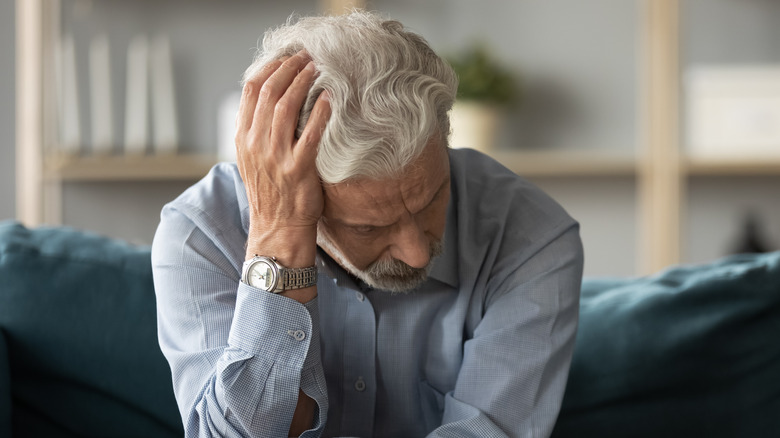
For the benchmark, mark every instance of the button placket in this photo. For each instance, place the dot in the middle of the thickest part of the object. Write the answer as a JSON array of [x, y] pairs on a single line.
[[360, 384], [359, 355]]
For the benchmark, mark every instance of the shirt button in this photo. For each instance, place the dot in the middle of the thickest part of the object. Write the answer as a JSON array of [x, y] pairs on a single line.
[[360, 385], [299, 335], [360, 296]]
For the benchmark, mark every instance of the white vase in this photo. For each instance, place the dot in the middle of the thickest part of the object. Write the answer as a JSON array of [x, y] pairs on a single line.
[[474, 125]]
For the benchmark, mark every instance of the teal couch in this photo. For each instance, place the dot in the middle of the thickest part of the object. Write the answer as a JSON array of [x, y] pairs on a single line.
[[692, 351], [78, 339]]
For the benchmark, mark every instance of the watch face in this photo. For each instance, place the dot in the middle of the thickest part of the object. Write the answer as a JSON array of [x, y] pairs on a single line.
[[262, 275]]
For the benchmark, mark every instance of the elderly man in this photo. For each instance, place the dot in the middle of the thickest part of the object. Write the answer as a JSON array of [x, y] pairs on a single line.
[[350, 275]]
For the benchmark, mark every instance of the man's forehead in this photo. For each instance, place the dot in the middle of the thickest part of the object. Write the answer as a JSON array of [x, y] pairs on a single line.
[[372, 199], [366, 195]]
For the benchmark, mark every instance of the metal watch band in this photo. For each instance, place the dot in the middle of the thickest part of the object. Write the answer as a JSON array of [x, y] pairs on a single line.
[[279, 278], [299, 278]]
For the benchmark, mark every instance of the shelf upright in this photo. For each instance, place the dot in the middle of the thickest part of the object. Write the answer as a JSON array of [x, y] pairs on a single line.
[[29, 111], [337, 7], [661, 176], [38, 198]]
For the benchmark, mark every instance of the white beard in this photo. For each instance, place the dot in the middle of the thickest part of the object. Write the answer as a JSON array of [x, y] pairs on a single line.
[[388, 275]]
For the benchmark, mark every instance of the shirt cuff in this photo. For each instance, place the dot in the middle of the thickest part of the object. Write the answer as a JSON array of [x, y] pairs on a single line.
[[276, 327]]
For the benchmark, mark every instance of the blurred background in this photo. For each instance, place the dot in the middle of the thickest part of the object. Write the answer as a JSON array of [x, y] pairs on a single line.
[[655, 123]]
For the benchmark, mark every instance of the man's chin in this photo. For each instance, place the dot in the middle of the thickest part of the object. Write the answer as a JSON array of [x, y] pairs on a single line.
[[392, 275], [394, 285], [395, 276]]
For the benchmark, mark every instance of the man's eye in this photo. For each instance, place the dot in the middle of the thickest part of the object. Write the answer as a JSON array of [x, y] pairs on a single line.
[[364, 229]]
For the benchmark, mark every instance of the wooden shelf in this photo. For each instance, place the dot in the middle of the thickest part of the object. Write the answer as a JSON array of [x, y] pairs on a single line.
[[129, 168], [184, 167], [560, 163], [726, 166]]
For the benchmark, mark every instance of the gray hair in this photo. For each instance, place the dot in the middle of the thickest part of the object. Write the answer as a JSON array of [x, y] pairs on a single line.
[[389, 92]]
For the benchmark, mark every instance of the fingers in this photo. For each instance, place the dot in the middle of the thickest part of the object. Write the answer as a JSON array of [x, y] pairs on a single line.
[[315, 126], [288, 109], [275, 87], [270, 106], [250, 93]]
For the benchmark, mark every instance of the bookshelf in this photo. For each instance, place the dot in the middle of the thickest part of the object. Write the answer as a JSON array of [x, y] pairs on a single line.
[[661, 169], [128, 168]]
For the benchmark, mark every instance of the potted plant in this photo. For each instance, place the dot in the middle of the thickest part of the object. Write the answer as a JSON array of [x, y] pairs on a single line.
[[485, 90]]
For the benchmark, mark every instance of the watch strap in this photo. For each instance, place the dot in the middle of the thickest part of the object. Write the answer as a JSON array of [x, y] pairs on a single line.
[[299, 278], [288, 278]]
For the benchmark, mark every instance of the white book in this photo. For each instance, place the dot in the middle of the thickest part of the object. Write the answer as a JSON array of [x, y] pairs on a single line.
[[733, 111], [100, 96], [68, 96], [164, 121], [136, 95]]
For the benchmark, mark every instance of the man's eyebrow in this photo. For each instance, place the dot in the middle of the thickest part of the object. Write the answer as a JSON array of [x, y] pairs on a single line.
[[436, 195], [439, 191]]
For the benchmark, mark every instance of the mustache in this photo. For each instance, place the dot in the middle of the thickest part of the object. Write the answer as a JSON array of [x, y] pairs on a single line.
[[396, 269]]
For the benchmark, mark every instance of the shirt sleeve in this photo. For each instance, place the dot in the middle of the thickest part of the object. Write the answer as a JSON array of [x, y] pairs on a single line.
[[238, 355], [515, 366]]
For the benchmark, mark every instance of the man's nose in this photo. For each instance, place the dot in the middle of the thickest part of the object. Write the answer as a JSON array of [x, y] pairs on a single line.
[[411, 245]]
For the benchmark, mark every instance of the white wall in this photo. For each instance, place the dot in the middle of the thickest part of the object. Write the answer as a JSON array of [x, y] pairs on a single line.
[[606, 210], [578, 61], [717, 211], [130, 211], [7, 109]]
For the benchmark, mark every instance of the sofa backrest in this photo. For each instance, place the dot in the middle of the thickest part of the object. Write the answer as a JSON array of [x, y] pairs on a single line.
[[693, 351], [78, 323]]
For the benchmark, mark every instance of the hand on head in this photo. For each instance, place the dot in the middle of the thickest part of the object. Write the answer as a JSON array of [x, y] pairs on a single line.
[[278, 170]]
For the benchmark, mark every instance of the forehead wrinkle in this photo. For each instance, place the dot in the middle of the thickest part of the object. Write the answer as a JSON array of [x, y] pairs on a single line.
[[388, 200], [379, 203], [372, 197], [416, 189], [420, 182]]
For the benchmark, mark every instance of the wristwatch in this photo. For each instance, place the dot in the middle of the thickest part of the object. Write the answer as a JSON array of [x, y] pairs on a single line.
[[267, 274]]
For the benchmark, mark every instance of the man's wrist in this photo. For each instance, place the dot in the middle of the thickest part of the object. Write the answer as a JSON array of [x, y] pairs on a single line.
[[293, 247]]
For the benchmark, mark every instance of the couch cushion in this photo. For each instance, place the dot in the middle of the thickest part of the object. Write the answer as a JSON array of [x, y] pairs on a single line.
[[5, 396], [693, 351], [78, 314]]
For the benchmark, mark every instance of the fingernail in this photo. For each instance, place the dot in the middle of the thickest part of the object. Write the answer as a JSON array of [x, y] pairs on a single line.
[[325, 96], [309, 66]]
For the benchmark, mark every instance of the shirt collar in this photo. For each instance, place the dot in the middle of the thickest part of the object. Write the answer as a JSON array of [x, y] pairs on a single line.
[[445, 267]]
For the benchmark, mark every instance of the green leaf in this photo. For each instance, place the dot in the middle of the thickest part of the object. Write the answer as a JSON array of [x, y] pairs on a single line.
[[483, 79]]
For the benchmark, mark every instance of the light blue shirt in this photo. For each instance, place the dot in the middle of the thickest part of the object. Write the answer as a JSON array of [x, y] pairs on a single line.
[[482, 349]]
